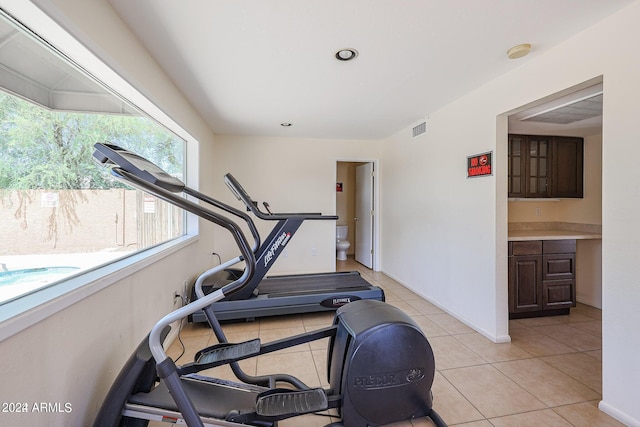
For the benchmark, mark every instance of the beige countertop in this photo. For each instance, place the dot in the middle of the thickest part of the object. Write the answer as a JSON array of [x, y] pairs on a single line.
[[553, 231], [522, 235]]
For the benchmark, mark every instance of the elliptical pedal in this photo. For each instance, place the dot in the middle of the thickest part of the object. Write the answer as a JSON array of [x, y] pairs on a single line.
[[227, 351], [284, 403]]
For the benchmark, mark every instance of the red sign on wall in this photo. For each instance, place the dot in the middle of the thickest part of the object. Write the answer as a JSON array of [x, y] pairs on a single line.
[[479, 165]]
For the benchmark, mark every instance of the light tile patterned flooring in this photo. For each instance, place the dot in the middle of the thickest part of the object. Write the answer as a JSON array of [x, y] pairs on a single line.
[[550, 374]]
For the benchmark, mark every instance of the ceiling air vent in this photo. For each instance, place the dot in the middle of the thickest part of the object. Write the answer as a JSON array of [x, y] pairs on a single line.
[[419, 129], [581, 109]]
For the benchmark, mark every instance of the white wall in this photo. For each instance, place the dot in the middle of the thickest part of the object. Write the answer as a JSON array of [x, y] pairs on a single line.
[[292, 175], [74, 355], [439, 227], [620, 206], [589, 272], [448, 241]]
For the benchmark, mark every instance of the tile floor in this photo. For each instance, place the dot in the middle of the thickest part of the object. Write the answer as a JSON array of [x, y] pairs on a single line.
[[550, 374]]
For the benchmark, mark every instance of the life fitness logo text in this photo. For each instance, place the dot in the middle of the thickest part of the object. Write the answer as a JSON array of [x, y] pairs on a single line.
[[282, 240]]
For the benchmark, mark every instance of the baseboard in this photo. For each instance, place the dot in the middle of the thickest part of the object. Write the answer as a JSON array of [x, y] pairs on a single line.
[[618, 415], [498, 339]]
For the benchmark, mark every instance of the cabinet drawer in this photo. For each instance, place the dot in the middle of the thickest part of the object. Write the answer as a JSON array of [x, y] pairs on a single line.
[[558, 266], [558, 294], [558, 246], [529, 247]]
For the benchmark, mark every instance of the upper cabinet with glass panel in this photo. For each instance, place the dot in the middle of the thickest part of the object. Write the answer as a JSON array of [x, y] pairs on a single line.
[[545, 166]]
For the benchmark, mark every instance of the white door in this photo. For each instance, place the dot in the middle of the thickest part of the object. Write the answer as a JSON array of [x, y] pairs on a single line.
[[364, 215]]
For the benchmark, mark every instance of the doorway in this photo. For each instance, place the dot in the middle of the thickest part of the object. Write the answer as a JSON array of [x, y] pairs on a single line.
[[355, 206], [575, 112]]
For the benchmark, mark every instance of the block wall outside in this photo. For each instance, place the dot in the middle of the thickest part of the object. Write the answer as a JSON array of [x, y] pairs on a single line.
[[80, 221]]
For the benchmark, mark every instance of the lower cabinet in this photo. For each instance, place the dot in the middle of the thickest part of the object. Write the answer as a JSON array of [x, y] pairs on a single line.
[[541, 277]]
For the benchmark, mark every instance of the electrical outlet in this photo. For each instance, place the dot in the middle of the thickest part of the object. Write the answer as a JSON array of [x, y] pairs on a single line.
[[185, 288], [537, 211], [186, 285], [314, 252], [181, 295], [177, 298]]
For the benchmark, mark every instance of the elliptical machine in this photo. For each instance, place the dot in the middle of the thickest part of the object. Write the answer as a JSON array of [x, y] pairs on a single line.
[[380, 364]]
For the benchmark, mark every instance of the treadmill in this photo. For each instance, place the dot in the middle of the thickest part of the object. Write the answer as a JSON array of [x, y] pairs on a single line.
[[279, 295], [262, 296]]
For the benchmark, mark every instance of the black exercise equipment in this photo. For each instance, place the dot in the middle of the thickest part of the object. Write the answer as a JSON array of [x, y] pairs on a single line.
[[262, 296], [380, 364], [277, 295]]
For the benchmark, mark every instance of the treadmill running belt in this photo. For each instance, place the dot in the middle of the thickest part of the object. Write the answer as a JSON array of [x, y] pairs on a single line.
[[312, 283]]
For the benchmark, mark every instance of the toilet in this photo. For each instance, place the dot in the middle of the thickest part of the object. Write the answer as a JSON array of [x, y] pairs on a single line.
[[342, 244]]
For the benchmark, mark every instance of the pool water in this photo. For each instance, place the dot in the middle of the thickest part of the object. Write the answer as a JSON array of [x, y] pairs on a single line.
[[42, 275]]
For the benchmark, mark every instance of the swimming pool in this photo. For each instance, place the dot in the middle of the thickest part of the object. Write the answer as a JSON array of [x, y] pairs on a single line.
[[41, 275]]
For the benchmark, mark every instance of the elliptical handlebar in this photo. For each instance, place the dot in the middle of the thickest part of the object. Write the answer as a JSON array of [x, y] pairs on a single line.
[[252, 205], [148, 177], [247, 254], [142, 168], [231, 210]]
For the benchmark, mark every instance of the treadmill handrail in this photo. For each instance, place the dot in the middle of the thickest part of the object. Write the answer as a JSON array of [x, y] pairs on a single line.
[[153, 174], [147, 176], [243, 196], [230, 209], [241, 241], [136, 165]]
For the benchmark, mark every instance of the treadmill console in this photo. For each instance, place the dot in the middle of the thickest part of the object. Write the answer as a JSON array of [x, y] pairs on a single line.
[[137, 166], [240, 193]]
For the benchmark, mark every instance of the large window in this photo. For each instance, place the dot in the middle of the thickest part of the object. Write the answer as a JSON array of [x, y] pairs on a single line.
[[61, 214]]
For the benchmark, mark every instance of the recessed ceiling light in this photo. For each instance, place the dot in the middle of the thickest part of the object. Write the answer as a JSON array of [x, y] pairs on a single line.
[[519, 51], [286, 125], [346, 54]]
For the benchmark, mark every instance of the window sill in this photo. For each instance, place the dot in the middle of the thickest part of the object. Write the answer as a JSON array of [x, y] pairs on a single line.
[[23, 312]]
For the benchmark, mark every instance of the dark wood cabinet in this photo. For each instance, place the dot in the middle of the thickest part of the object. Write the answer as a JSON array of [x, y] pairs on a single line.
[[525, 276], [545, 166], [567, 167], [525, 273], [541, 277], [529, 161]]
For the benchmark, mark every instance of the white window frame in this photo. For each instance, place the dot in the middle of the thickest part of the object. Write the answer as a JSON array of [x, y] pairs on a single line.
[[30, 309]]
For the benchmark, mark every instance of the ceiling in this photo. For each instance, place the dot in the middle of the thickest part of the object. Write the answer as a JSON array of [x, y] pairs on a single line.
[[247, 65]]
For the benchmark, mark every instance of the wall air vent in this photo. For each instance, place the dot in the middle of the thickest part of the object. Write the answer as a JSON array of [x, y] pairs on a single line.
[[419, 129]]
